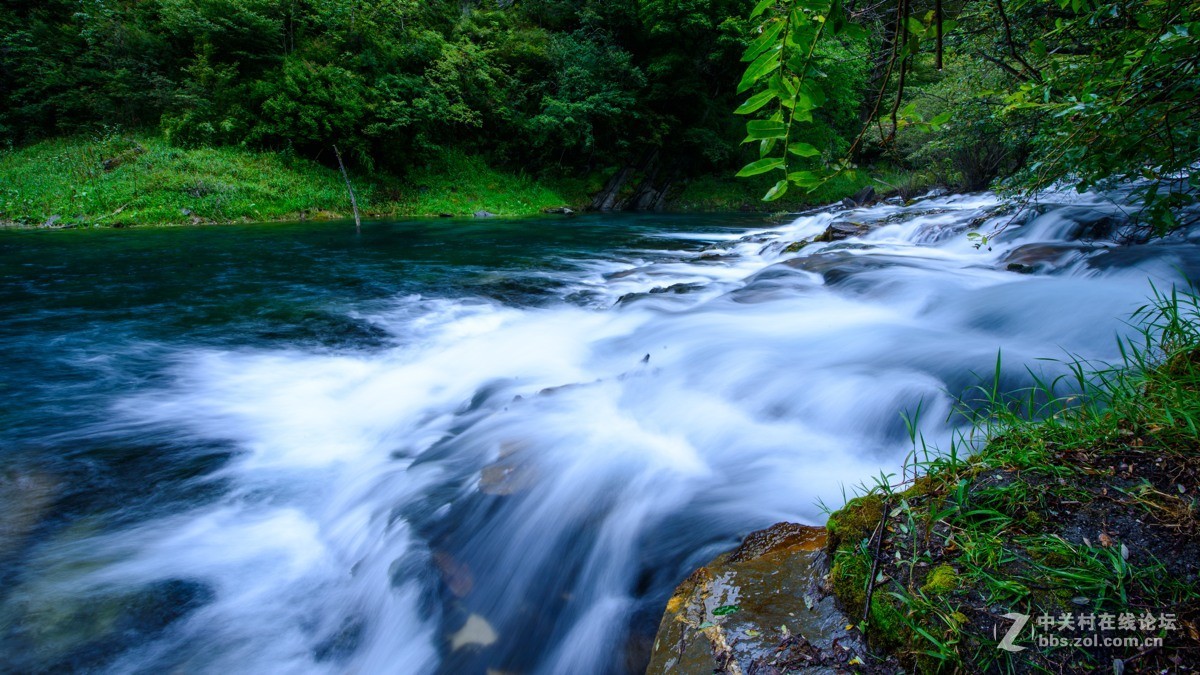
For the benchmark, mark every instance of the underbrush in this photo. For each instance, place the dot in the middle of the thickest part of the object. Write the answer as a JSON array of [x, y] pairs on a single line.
[[1078, 516]]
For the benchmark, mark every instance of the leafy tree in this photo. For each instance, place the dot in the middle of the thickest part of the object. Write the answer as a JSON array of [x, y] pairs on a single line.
[[1105, 91]]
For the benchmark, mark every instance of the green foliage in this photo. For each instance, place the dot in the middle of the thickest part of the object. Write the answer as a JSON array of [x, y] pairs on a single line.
[[1115, 87], [1082, 92], [797, 68], [563, 86], [311, 105]]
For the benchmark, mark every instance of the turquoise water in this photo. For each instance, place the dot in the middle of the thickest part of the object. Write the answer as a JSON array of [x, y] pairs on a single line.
[[91, 318]]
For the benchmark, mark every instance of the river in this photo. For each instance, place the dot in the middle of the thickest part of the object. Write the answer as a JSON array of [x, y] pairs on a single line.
[[446, 446]]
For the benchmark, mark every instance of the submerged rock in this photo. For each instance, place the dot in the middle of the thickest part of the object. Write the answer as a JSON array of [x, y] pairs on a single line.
[[27, 498], [758, 609]]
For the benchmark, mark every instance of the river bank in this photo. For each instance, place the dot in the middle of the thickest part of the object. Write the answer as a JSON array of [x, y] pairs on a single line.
[[1065, 544], [140, 180]]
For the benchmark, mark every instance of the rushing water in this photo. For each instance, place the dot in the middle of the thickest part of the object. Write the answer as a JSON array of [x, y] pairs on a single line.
[[455, 447]]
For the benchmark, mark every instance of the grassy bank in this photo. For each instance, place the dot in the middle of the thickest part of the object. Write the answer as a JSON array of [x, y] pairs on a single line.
[[124, 180], [141, 180], [1087, 518]]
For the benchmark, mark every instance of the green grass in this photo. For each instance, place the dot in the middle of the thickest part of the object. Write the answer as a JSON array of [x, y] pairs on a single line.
[[1084, 503], [142, 180]]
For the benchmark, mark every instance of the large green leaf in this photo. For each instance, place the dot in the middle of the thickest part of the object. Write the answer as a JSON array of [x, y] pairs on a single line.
[[763, 65], [803, 149], [756, 101], [776, 192], [761, 7], [805, 179], [761, 166], [765, 41], [758, 130]]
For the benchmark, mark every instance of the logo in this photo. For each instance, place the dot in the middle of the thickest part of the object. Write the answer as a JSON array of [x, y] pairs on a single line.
[[1019, 621]]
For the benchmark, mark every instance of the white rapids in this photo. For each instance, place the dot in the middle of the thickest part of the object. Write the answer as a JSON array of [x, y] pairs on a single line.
[[517, 489]]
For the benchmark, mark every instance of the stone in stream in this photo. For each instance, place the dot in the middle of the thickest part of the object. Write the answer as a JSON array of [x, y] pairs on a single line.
[[761, 608], [476, 632], [510, 473], [842, 229], [1039, 257]]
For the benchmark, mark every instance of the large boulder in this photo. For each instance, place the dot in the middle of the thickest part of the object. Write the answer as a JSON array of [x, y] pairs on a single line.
[[760, 609]]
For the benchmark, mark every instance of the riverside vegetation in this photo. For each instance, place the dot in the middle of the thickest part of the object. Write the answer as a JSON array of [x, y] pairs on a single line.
[[449, 106], [1077, 506]]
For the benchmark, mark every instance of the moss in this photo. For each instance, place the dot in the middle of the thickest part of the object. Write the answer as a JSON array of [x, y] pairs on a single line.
[[848, 578], [795, 246], [855, 521], [888, 629], [941, 580]]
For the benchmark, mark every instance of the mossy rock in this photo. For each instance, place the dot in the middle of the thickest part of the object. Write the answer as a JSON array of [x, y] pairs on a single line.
[[855, 521], [848, 578]]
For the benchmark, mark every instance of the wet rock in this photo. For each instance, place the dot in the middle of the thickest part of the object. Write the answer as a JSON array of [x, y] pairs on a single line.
[[1090, 223], [560, 210], [506, 477], [81, 633], [622, 274], [837, 266], [484, 214], [842, 229], [674, 289], [456, 575], [758, 609], [1032, 258], [864, 197], [717, 257]]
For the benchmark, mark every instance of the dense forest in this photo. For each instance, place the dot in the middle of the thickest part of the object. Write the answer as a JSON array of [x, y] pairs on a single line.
[[952, 92]]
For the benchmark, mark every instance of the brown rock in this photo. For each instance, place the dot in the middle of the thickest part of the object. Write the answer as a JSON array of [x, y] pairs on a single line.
[[757, 609]]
